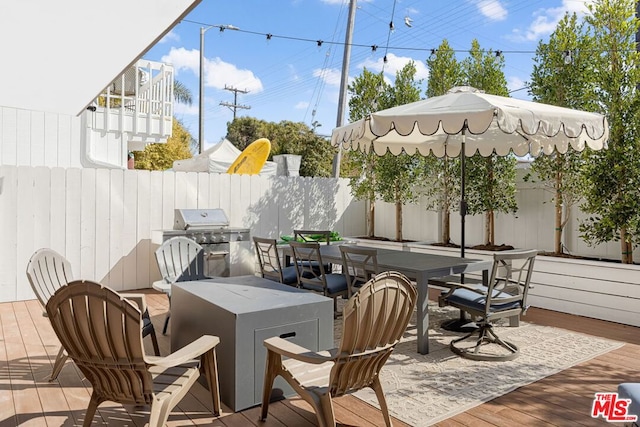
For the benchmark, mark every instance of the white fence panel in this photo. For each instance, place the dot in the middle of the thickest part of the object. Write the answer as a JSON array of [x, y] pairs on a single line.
[[103, 220]]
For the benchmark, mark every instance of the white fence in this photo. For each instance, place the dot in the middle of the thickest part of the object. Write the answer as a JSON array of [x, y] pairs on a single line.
[[532, 227], [103, 220]]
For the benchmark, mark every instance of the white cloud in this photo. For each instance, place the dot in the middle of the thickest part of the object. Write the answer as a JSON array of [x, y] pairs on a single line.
[[183, 59], [302, 105], [170, 36], [492, 9], [331, 76], [546, 20], [395, 64], [218, 73]]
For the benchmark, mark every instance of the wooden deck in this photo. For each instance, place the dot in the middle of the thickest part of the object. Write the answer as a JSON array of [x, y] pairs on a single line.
[[28, 348]]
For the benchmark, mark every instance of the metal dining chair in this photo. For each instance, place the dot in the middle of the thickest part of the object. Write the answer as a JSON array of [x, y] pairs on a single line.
[[312, 274], [358, 265], [271, 262]]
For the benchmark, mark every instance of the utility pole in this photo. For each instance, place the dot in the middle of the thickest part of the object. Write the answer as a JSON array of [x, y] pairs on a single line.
[[342, 101], [235, 104]]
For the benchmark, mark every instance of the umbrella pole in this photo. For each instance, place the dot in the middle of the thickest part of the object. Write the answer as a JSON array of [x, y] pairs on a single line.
[[463, 202], [462, 324]]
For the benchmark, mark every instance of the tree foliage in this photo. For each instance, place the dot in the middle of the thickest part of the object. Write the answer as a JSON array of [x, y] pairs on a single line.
[[443, 175], [286, 137], [558, 81], [368, 93], [612, 176], [490, 181], [162, 156], [397, 176], [390, 178]]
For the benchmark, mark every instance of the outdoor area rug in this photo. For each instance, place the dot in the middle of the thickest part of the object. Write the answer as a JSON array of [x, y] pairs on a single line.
[[424, 389]]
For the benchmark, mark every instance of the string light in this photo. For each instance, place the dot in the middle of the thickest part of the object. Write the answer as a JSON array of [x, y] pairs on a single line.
[[568, 59], [433, 51]]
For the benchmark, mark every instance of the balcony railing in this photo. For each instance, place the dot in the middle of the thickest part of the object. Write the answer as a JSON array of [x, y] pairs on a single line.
[[139, 103]]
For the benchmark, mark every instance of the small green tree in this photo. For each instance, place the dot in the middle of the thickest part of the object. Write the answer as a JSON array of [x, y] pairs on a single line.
[[566, 83], [443, 175], [491, 180], [162, 156], [612, 193], [397, 176], [368, 94]]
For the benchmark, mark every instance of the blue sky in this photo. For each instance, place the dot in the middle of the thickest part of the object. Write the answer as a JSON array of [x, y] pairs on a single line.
[[291, 75]]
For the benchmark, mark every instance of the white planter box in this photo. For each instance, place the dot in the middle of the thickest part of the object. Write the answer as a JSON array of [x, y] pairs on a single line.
[[598, 289]]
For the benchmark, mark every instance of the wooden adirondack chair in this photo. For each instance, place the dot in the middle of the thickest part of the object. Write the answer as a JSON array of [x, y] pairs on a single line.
[[373, 322], [48, 271], [101, 331]]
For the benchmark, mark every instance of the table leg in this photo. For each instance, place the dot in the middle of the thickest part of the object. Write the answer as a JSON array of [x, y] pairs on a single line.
[[422, 318]]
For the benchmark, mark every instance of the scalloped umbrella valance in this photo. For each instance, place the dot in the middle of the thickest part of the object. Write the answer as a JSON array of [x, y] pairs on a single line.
[[481, 123]]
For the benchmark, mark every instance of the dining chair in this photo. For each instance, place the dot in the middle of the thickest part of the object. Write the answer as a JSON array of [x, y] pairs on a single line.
[[312, 275], [179, 259], [358, 265], [271, 262], [373, 322], [48, 271], [100, 331], [504, 296], [320, 236]]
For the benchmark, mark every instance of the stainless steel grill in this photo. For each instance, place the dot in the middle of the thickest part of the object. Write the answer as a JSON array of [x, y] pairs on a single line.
[[209, 228]]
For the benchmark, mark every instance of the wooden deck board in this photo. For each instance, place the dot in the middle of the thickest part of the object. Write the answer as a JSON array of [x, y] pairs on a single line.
[[28, 348]]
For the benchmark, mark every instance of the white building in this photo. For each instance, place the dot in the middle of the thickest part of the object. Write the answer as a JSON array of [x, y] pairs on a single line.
[[73, 89]]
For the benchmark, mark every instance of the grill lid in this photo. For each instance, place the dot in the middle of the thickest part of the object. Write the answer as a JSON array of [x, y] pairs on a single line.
[[200, 218]]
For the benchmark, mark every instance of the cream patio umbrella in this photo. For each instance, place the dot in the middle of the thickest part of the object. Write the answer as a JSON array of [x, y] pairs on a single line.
[[470, 121]]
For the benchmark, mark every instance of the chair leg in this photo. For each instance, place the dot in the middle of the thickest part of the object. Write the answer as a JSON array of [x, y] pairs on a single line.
[[159, 413], [377, 387], [210, 368], [61, 358], [91, 409], [274, 361], [154, 342], [485, 335], [166, 324], [326, 412]]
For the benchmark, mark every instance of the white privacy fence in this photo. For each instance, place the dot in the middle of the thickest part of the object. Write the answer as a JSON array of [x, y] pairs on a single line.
[[104, 220]]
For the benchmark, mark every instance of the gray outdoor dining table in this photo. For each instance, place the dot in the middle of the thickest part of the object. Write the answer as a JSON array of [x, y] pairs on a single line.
[[417, 266]]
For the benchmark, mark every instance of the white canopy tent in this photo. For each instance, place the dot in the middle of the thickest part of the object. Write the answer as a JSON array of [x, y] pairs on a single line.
[[217, 159]]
